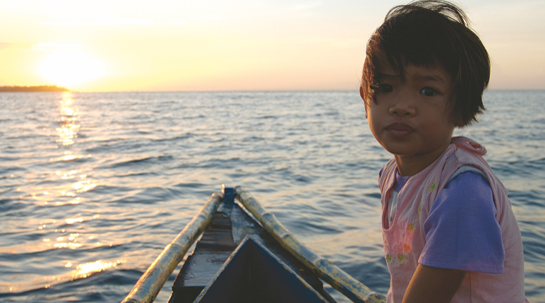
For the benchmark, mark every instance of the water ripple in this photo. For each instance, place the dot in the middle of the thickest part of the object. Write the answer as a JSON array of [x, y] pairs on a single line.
[[103, 181]]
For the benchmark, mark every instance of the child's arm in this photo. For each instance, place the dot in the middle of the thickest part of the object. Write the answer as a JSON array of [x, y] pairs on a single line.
[[463, 234], [433, 285]]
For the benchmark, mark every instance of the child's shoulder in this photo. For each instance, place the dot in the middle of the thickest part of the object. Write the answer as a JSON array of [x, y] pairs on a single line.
[[467, 152]]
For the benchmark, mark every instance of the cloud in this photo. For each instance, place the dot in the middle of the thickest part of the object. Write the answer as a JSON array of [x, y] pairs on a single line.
[[197, 19], [97, 21], [48, 46], [8, 45], [177, 22], [306, 5]]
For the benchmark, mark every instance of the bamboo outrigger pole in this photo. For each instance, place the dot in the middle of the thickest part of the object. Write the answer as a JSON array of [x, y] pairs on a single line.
[[336, 277], [151, 282]]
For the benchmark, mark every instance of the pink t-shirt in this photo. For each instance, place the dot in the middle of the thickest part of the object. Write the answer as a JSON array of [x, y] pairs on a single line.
[[405, 238], [465, 207]]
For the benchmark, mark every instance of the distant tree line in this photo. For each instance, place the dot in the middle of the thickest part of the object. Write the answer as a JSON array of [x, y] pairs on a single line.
[[37, 88]]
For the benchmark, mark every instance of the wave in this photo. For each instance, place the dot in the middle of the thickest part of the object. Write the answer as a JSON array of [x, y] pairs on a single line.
[[139, 161]]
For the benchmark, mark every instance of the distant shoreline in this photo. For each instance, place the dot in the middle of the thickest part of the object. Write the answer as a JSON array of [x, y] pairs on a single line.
[[37, 88]]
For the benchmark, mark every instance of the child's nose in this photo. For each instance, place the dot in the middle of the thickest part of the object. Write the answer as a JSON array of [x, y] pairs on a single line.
[[402, 108]]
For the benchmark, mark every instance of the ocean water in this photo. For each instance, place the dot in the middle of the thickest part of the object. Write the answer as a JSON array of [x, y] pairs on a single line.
[[93, 186]]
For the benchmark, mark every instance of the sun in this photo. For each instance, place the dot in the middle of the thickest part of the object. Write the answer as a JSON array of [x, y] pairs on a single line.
[[70, 68]]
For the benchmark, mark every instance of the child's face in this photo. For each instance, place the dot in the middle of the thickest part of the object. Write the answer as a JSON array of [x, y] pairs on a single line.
[[409, 117]]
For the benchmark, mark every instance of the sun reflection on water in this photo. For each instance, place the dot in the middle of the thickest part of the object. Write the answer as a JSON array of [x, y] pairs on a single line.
[[69, 117], [62, 198], [87, 269], [83, 186], [72, 221], [66, 209], [82, 271]]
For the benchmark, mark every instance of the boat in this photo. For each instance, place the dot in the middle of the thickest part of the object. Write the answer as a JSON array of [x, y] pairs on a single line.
[[241, 253]]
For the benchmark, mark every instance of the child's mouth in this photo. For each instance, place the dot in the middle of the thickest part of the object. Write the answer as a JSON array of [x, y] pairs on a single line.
[[399, 129]]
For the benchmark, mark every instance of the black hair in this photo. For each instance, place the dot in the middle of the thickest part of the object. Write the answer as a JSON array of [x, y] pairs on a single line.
[[427, 33]]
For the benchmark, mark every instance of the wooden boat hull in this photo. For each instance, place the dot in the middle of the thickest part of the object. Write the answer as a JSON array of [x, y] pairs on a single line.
[[244, 255], [236, 260]]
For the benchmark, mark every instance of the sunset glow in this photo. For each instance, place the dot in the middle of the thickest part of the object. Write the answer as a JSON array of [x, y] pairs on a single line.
[[237, 45], [70, 68]]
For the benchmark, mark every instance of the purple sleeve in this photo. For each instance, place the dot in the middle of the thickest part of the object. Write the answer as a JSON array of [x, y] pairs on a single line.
[[461, 228]]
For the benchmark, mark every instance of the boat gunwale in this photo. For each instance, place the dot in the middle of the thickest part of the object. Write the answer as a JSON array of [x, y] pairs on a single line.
[[151, 282]]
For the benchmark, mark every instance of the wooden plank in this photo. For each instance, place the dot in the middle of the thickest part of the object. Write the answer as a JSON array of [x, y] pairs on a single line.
[[217, 244]]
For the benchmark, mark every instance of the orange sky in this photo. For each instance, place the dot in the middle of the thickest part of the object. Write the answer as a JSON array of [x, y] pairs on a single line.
[[234, 45]]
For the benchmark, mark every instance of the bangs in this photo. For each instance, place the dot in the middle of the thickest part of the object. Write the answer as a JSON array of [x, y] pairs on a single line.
[[430, 33], [415, 39]]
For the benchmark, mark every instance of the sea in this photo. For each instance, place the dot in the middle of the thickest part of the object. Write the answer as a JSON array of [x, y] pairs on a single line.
[[93, 186]]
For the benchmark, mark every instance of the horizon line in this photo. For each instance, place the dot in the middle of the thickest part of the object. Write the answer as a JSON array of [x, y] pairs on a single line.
[[266, 90]]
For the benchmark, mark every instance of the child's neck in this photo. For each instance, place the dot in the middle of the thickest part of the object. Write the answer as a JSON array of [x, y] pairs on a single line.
[[410, 165]]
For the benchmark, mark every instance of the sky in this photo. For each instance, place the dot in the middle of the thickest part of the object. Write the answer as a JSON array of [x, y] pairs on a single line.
[[217, 45]]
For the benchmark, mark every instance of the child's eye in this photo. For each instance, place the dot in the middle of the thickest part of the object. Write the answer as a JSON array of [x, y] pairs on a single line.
[[382, 88], [427, 91]]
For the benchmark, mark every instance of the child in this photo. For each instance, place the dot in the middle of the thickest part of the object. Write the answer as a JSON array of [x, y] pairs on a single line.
[[449, 232]]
